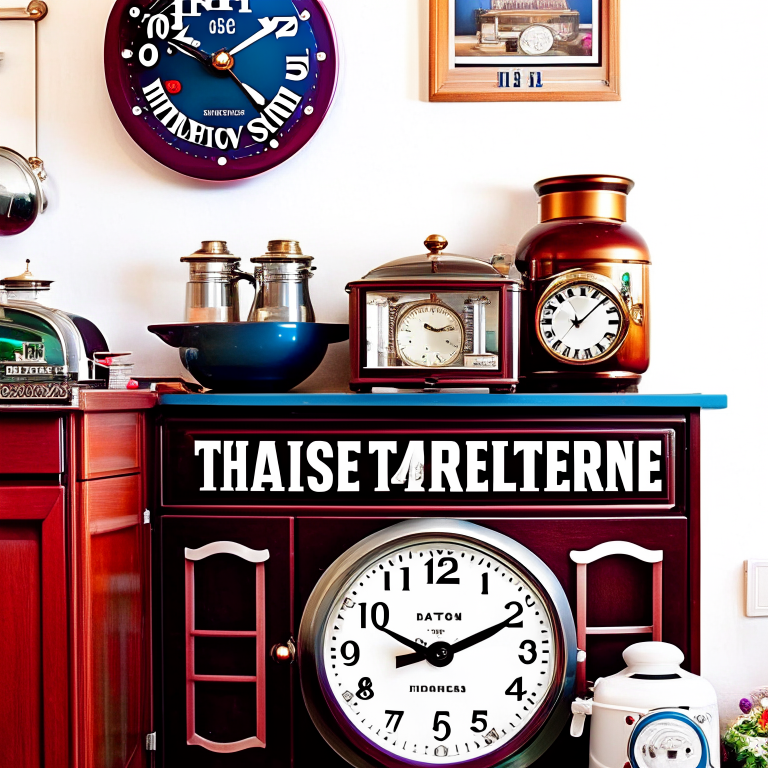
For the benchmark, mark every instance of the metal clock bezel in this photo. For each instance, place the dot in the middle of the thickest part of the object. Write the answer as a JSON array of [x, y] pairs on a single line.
[[412, 307], [333, 724], [604, 284]]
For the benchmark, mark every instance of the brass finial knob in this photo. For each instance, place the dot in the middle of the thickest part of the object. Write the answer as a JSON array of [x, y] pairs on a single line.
[[435, 244]]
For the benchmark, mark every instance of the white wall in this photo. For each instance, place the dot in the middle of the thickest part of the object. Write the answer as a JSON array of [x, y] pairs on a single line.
[[389, 168]]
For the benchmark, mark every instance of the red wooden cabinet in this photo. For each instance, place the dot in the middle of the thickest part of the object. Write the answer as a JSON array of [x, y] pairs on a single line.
[[33, 616], [75, 597]]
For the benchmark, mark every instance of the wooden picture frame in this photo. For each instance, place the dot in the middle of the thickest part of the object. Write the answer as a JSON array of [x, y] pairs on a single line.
[[498, 82]]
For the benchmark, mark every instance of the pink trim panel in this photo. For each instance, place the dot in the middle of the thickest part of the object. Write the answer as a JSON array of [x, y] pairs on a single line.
[[194, 739]]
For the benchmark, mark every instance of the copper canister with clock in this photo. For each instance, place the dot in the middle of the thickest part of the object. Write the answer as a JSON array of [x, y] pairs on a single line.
[[435, 320], [587, 319]]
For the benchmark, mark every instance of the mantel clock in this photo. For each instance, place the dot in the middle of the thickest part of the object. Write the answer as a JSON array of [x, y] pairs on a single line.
[[435, 320], [221, 89], [490, 687], [588, 317]]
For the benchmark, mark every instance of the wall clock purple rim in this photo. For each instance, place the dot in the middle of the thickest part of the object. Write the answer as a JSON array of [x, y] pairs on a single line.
[[205, 169]]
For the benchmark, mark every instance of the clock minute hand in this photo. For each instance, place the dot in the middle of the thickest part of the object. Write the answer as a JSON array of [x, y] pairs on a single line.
[[578, 322], [485, 634], [268, 26], [439, 330]]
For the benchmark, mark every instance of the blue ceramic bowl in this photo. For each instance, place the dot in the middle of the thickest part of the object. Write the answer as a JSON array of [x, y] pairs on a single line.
[[251, 357]]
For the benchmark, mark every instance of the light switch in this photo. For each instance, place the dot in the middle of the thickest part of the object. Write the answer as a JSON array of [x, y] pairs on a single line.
[[756, 572]]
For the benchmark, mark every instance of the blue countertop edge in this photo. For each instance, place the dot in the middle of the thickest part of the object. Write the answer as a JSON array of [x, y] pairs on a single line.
[[453, 399]]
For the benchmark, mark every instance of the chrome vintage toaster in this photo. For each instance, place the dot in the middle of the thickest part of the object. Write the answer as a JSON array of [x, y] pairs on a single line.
[[45, 354]]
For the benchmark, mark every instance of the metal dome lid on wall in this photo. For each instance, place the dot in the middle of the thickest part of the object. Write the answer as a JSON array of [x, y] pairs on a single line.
[[218, 89]]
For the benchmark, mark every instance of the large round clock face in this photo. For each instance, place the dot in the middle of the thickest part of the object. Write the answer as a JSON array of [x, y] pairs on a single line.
[[440, 652], [430, 335], [221, 89], [581, 322]]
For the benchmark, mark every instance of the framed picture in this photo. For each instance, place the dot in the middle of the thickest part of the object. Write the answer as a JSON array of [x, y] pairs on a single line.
[[524, 50]]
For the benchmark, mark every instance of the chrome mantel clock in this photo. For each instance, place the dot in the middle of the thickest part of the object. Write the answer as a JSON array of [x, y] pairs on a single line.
[[221, 89], [438, 642]]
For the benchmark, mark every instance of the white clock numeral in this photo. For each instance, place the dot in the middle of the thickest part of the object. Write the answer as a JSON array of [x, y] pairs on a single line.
[[297, 67], [158, 26], [149, 55], [222, 26]]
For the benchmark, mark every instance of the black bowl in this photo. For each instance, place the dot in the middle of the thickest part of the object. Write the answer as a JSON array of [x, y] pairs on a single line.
[[251, 357]]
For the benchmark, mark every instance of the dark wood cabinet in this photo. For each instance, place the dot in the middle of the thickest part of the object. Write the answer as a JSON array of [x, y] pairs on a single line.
[[212, 487], [75, 576]]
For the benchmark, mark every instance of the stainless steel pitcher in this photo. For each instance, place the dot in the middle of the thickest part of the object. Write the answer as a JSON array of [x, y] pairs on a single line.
[[212, 290], [282, 285]]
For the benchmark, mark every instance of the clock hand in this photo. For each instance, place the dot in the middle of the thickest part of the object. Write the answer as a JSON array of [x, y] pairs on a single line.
[[578, 322], [253, 95], [406, 659], [439, 330], [479, 637], [419, 649], [190, 50], [268, 26]]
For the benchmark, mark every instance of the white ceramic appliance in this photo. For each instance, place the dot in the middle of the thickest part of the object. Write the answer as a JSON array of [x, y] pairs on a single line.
[[653, 714]]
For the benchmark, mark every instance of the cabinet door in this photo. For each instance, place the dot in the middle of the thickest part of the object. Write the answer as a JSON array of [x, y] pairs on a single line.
[[111, 606], [226, 600], [33, 617]]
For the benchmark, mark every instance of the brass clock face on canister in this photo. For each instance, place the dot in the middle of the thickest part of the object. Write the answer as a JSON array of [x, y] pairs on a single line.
[[587, 320], [438, 642], [581, 319]]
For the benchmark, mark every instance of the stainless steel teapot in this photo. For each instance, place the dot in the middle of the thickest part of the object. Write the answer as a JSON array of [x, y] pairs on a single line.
[[282, 285], [281, 280]]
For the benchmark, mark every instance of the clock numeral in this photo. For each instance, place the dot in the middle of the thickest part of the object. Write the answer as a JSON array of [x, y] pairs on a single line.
[[386, 581], [529, 646], [438, 724], [376, 608], [479, 723], [485, 584], [583, 291], [365, 689], [516, 689], [149, 55], [352, 655], [587, 354], [566, 351], [222, 26], [610, 310], [297, 67], [446, 578], [396, 715], [406, 579], [512, 624], [158, 26]]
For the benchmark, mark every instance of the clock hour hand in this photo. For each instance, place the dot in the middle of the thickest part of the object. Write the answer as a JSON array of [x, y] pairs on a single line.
[[419, 650], [439, 330], [190, 50]]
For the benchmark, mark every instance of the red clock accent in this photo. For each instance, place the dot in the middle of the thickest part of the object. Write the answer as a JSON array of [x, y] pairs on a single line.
[[173, 87]]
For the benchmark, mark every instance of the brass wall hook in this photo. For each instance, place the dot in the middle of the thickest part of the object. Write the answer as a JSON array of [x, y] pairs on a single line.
[[35, 11]]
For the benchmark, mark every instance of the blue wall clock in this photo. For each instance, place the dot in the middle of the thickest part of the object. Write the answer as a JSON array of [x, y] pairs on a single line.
[[221, 89]]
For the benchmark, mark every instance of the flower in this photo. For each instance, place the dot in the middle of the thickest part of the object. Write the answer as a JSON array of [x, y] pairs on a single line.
[[762, 723]]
